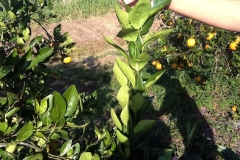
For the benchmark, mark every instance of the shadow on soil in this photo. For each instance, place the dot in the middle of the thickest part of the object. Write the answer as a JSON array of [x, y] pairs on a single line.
[[181, 110]]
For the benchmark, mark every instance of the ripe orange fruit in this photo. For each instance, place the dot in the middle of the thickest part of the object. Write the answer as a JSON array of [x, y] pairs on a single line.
[[210, 36], [191, 42], [158, 66], [198, 79], [207, 46], [154, 63], [66, 59], [234, 108], [174, 65], [233, 46]]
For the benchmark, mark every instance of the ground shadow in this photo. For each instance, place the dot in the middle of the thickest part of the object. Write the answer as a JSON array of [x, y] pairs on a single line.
[[182, 110]]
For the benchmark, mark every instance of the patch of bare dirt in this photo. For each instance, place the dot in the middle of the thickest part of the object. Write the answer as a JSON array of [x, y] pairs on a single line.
[[88, 34]]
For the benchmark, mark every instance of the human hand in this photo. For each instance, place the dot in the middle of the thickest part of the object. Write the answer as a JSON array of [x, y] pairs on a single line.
[[131, 3]]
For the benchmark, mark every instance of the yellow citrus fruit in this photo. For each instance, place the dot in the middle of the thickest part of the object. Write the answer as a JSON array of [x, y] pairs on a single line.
[[191, 42], [237, 39], [158, 66], [66, 59], [233, 46], [198, 79], [154, 63], [189, 64], [174, 65], [234, 108], [210, 36]]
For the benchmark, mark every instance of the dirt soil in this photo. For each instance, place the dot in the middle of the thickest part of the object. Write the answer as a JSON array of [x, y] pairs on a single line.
[[88, 33]]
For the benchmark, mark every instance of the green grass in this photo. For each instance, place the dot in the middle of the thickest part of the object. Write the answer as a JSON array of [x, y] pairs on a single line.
[[77, 9]]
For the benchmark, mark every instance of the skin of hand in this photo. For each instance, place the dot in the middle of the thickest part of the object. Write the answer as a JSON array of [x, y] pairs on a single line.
[[222, 14]]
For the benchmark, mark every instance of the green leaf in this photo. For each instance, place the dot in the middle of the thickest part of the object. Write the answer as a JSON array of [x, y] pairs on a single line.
[[125, 116], [107, 138], [140, 62], [35, 157], [158, 5], [4, 70], [44, 53], [120, 50], [72, 125], [95, 157], [123, 139], [11, 148], [139, 86], [156, 35], [122, 79], [86, 156], [153, 78], [116, 120], [5, 155], [59, 107], [11, 15], [43, 105], [147, 25], [71, 96], [35, 41], [122, 17], [3, 126], [13, 59], [45, 118], [140, 13], [143, 125], [5, 4], [123, 96], [128, 34], [36, 106], [64, 134], [12, 111], [26, 34], [55, 136], [65, 147], [225, 153], [25, 132], [127, 71], [137, 102]]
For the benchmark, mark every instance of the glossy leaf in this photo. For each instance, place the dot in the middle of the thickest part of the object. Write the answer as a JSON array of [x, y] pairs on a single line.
[[86, 156], [37, 156], [144, 125], [115, 119], [120, 50], [123, 139], [95, 157], [123, 95], [36, 106], [132, 50], [26, 33], [156, 35], [122, 79], [12, 111], [65, 147], [107, 138], [59, 107], [4, 70], [122, 17], [153, 78], [140, 13], [11, 148], [64, 134], [125, 116], [225, 153], [43, 105], [71, 96], [137, 102], [139, 86], [147, 25], [72, 125], [25, 132], [35, 41], [127, 71], [45, 118], [128, 34], [3, 126], [5, 155], [140, 62], [55, 136], [158, 5], [44, 53]]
